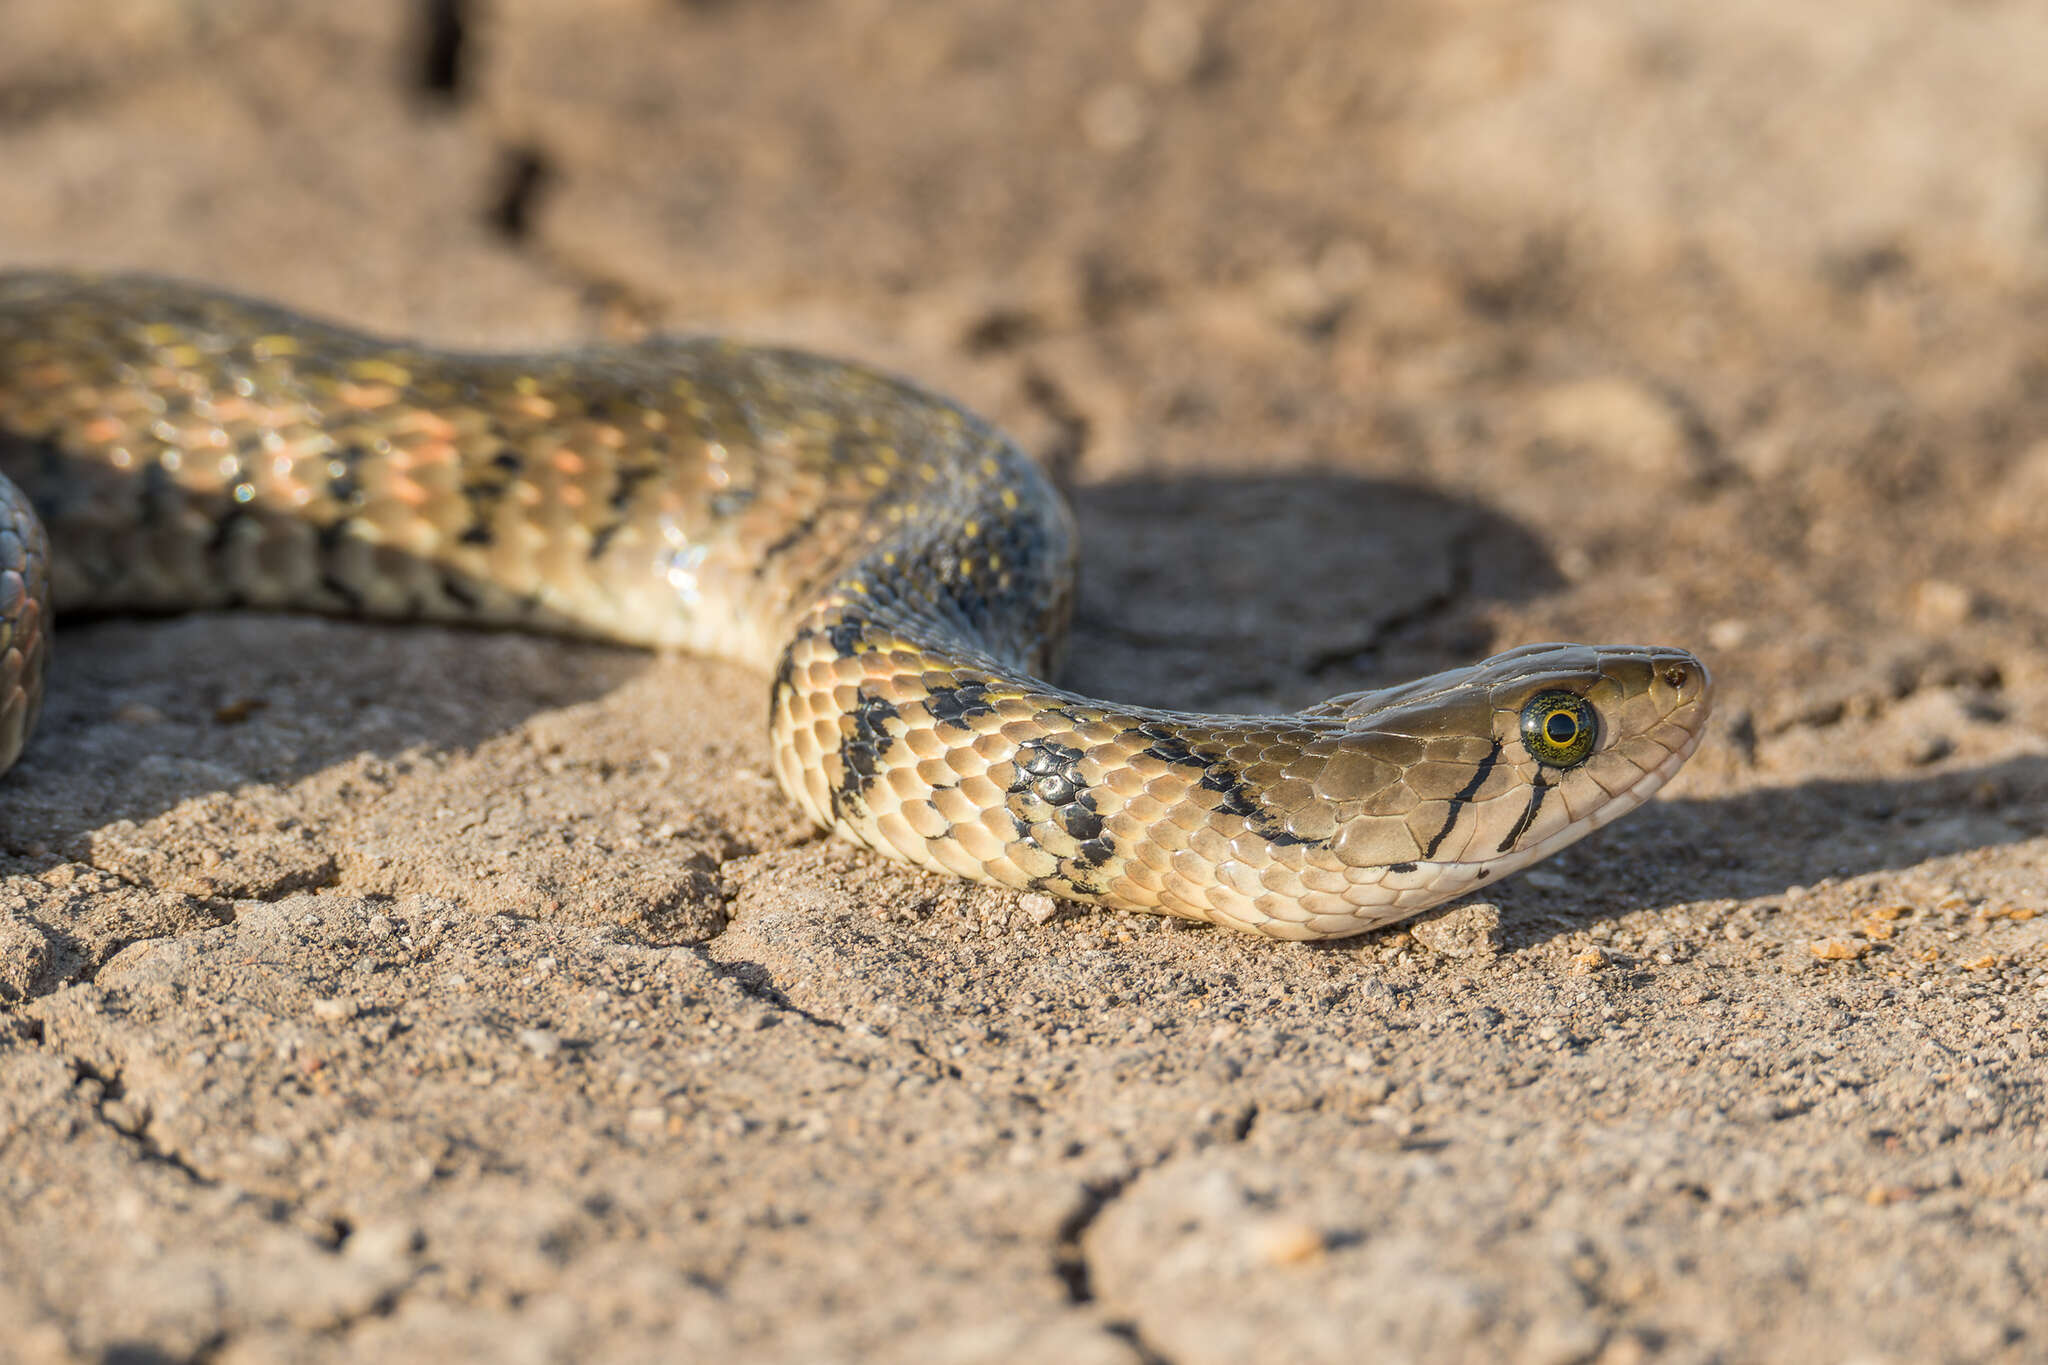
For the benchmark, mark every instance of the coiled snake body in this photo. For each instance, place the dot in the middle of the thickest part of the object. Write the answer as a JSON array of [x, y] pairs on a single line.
[[901, 570]]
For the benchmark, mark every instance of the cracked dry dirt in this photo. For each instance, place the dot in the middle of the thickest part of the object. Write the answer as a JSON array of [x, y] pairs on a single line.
[[374, 993]]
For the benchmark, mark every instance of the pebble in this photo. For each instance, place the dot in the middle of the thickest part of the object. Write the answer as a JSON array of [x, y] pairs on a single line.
[[336, 1009], [385, 1243], [540, 1042], [1837, 949], [1040, 907], [1469, 931], [1729, 633], [1284, 1241]]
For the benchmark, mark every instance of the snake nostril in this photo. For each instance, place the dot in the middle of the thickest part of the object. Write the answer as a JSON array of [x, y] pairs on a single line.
[[1676, 676]]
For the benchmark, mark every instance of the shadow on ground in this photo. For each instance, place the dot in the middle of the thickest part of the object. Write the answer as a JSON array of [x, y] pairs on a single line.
[[1264, 591]]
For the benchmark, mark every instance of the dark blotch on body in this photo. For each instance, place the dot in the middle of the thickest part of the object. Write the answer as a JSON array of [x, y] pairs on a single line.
[[1049, 785], [955, 706], [861, 749]]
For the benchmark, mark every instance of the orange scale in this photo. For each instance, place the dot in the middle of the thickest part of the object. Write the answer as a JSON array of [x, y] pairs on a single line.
[[1127, 782], [955, 859], [953, 805], [980, 842], [985, 794], [898, 834], [905, 784], [1031, 861], [1145, 810], [924, 742]]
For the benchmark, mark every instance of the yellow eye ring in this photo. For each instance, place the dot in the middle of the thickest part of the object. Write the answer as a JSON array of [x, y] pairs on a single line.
[[1559, 729]]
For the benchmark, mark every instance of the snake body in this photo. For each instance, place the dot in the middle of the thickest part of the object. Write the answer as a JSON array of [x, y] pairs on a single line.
[[901, 570]]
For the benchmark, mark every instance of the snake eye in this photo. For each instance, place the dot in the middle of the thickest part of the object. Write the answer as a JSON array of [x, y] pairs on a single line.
[[1559, 728]]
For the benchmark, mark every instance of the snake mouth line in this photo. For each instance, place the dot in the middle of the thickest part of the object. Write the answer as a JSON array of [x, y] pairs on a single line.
[[1621, 803]]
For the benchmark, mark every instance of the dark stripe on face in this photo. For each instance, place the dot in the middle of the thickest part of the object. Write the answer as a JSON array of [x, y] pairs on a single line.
[[1536, 791], [1463, 795]]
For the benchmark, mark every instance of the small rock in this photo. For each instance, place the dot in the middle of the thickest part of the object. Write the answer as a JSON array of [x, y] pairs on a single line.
[[385, 1243], [1590, 961], [336, 1009], [1729, 633], [541, 1042], [1284, 1241], [1837, 949], [25, 957], [1039, 906], [1465, 931]]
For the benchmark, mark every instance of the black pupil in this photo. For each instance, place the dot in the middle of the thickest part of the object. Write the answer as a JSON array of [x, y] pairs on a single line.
[[1562, 728]]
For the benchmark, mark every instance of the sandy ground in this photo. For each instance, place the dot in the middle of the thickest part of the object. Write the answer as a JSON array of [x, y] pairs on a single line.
[[378, 993]]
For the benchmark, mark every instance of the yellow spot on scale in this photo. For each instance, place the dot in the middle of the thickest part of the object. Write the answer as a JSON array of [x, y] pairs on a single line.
[[161, 333], [1010, 499], [875, 474], [972, 530], [274, 346], [376, 370]]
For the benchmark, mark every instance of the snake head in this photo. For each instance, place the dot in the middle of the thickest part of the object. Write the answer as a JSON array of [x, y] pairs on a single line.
[[1426, 790]]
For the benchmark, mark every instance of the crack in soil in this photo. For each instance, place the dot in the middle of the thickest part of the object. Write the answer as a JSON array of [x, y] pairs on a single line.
[[1070, 1261], [133, 1123], [1461, 552]]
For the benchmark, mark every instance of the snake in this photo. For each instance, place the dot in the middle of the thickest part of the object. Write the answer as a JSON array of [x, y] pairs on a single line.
[[900, 570]]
